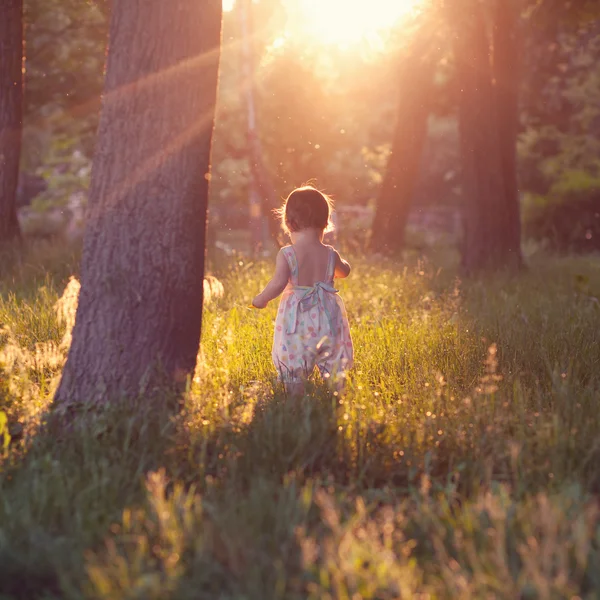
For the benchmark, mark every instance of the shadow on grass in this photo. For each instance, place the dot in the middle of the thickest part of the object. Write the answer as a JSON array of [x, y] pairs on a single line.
[[222, 498], [261, 491], [63, 487]]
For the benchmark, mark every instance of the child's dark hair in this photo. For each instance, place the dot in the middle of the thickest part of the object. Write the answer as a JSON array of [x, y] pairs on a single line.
[[306, 207]]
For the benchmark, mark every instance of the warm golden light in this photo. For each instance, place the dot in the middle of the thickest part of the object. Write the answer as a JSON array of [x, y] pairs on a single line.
[[344, 22]]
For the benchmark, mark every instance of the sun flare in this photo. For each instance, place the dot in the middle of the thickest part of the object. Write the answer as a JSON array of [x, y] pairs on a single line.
[[344, 22]]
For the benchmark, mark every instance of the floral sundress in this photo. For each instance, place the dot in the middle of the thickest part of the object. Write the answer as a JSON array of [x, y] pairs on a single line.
[[311, 327]]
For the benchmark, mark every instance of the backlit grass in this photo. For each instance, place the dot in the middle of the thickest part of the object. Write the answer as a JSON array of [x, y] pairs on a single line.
[[462, 462]]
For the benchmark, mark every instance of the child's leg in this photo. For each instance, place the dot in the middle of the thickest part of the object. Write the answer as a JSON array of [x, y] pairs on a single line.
[[294, 377], [334, 371], [295, 383]]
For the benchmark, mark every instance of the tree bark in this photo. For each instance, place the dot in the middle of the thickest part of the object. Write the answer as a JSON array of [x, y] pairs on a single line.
[[506, 78], [11, 115], [260, 188], [140, 306], [402, 170], [489, 219]]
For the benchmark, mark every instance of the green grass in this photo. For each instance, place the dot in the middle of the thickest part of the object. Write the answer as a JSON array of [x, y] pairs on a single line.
[[461, 463]]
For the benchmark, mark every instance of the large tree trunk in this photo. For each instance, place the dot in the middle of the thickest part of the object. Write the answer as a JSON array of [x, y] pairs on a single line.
[[488, 217], [402, 170], [11, 114], [140, 306]]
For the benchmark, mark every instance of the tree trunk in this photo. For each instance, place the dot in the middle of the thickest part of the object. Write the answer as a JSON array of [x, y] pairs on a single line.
[[260, 188], [488, 218], [140, 306], [506, 77], [402, 171], [267, 195], [11, 115]]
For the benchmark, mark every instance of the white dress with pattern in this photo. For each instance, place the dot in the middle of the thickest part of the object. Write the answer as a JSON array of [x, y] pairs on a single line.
[[311, 327]]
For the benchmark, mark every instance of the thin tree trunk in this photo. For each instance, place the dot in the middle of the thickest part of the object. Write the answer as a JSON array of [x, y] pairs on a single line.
[[247, 83], [402, 170], [488, 223], [140, 306], [506, 77], [267, 195], [260, 184], [11, 115]]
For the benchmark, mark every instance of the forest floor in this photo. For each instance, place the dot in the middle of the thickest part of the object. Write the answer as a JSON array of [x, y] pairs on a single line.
[[463, 461]]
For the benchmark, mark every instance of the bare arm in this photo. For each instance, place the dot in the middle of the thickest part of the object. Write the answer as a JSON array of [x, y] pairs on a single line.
[[342, 267], [277, 284]]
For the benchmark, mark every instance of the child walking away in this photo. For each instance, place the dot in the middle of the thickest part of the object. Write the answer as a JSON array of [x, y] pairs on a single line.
[[311, 326]]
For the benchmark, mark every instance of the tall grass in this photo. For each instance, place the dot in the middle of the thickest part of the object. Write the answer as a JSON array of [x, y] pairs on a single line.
[[462, 461]]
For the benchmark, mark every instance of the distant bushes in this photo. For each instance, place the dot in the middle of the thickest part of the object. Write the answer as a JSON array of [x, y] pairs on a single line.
[[570, 223]]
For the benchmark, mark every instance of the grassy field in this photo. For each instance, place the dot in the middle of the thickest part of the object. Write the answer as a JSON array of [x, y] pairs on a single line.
[[463, 461]]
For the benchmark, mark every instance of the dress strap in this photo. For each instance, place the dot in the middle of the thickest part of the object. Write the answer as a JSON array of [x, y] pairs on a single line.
[[290, 257]]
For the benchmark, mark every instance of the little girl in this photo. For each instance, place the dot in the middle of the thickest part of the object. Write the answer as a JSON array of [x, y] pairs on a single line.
[[311, 326]]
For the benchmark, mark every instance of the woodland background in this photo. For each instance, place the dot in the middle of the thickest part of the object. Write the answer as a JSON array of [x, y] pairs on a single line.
[[330, 117], [462, 459]]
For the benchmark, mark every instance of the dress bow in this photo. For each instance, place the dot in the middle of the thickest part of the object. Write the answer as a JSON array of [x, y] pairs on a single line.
[[307, 298]]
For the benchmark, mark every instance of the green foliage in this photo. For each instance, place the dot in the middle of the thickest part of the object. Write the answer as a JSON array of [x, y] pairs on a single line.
[[342, 100], [67, 172], [65, 76], [559, 99], [462, 461], [572, 222], [65, 52]]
